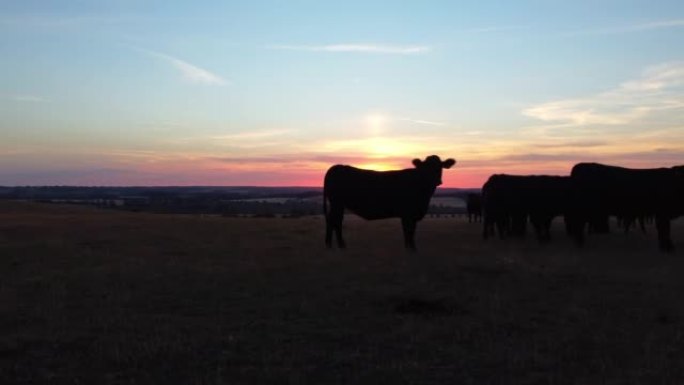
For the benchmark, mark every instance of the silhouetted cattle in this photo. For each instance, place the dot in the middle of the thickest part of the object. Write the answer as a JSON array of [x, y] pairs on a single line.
[[510, 200], [474, 207], [600, 190], [495, 206], [626, 222], [381, 194]]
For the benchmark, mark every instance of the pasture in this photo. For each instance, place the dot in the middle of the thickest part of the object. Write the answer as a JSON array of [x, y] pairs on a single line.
[[104, 297]]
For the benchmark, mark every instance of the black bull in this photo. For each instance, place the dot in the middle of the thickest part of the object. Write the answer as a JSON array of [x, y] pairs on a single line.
[[599, 191], [381, 194], [509, 200]]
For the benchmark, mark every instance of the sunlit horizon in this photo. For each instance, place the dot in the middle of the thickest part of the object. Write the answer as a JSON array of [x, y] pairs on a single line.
[[271, 94]]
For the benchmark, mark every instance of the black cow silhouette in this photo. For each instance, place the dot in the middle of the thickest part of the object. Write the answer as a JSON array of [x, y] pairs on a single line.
[[372, 195], [510, 200], [601, 190], [474, 207], [626, 222]]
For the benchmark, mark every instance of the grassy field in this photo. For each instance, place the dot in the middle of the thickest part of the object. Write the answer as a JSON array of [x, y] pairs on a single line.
[[103, 297]]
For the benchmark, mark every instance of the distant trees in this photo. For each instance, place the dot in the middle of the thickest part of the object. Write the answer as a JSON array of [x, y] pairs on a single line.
[[225, 201]]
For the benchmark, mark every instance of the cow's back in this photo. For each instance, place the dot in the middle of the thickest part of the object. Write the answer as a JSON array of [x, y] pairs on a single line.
[[619, 190], [378, 194]]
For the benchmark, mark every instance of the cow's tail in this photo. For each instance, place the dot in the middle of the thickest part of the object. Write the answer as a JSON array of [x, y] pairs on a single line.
[[326, 193]]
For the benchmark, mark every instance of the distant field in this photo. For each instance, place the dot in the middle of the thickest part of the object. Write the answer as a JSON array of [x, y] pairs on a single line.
[[104, 297], [448, 201]]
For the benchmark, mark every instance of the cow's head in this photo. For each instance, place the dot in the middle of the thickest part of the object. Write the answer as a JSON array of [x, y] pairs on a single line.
[[432, 167]]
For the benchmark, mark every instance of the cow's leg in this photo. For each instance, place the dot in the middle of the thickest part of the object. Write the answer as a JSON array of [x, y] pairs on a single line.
[[568, 224], [541, 224], [329, 224], [627, 223], [664, 240], [502, 225], [487, 227], [519, 224], [328, 230], [574, 227], [536, 226], [337, 225], [333, 223], [409, 227], [600, 224], [536, 222], [547, 228], [489, 222]]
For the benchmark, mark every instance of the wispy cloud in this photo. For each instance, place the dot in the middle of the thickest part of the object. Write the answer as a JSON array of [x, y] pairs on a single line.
[[253, 135], [657, 78], [497, 28], [246, 141], [658, 25], [60, 21], [190, 72], [628, 28], [657, 90], [573, 144], [358, 48], [423, 122], [27, 98], [653, 157], [312, 159]]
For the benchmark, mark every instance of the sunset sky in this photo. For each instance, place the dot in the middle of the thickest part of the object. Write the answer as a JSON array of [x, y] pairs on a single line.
[[272, 93]]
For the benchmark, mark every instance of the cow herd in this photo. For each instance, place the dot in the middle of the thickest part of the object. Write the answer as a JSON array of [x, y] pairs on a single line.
[[586, 199]]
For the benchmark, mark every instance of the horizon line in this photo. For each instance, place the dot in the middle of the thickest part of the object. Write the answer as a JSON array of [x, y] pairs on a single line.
[[195, 186]]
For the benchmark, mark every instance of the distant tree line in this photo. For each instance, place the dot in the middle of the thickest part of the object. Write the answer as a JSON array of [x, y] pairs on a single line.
[[289, 202]]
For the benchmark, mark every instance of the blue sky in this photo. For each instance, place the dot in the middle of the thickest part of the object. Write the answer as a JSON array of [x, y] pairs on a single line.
[[273, 92]]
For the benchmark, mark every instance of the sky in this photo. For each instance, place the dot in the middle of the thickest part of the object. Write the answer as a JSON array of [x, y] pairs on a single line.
[[272, 93]]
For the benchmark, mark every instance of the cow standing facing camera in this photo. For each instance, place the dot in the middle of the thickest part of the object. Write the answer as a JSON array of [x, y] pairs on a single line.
[[373, 194]]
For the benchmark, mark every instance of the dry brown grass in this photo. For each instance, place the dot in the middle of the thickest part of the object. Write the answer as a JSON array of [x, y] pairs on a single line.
[[89, 296]]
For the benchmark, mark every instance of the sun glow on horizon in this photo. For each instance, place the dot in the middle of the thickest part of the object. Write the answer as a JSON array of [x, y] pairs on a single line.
[[378, 166], [377, 147]]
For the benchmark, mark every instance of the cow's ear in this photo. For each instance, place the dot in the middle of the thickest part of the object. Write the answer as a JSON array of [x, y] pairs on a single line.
[[417, 162], [448, 163]]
